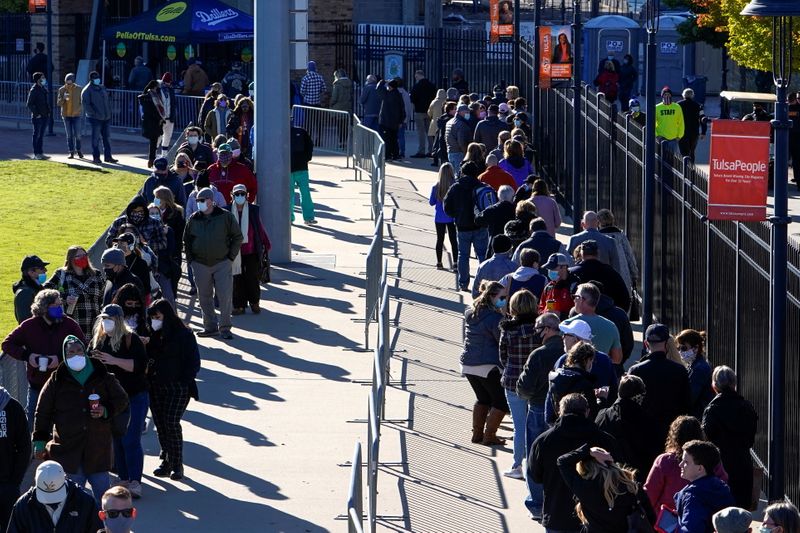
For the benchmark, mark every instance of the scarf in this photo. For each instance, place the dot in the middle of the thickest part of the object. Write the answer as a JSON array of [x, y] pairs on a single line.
[[167, 102], [244, 224], [159, 103]]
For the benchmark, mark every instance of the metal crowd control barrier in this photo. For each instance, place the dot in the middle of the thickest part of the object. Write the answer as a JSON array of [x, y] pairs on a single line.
[[331, 130], [355, 499], [373, 277]]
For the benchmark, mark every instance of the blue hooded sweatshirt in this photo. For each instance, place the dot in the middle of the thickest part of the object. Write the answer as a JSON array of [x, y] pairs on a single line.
[[698, 501]]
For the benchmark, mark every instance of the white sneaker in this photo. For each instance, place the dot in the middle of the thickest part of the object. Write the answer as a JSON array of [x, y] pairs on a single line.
[[515, 472], [135, 489]]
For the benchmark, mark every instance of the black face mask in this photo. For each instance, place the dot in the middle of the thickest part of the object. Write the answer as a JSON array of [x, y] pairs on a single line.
[[137, 217], [110, 274]]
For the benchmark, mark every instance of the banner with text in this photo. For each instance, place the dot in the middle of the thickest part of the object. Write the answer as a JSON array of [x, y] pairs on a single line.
[[501, 19], [738, 170], [555, 61]]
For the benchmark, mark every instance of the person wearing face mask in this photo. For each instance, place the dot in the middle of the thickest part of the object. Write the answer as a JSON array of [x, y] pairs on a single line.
[[557, 294], [635, 112], [55, 503], [120, 349], [117, 511], [38, 104], [217, 118], [117, 272], [607, 82], [458, 135], [134, 261], [69, 100], [780, 517], [81, 287], [173, 363], [185, 170], [239, 123], [172, 215], [162, 176], [38, 340], [238, 156], [167, 94], [34, 275], [152, 111], [226, 173], [730, 422], [194, 147], [627, 80], [669, 121], [72, 429], [519, 120], [97, 107], [167, 271], [480, 362], [208, 104], [252, 255], [130, 299], [691, 344], [517, 340], [212, 240], [152, 231], [575, 376]]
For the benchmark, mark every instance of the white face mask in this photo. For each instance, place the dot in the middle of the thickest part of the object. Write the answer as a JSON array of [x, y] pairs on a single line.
[[688, 355], [132, 321], [156, 324], [76, 363], [109, 325]]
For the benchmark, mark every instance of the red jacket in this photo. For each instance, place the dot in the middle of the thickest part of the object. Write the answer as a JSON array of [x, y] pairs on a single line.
[[225, 178], [495, 177], [35, 335], [561, 297]]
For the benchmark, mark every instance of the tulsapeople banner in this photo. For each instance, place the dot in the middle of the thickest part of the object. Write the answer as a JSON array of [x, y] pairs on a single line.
[[555, 61], [501, 19], [738, 170]]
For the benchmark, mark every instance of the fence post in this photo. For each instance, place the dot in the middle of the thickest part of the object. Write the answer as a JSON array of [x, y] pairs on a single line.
[[577, 159]]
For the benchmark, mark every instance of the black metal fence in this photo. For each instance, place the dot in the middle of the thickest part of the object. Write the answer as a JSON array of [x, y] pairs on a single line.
[[712, 276]]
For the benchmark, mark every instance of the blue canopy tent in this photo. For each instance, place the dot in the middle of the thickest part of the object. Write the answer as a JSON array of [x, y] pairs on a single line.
[[189, 21]]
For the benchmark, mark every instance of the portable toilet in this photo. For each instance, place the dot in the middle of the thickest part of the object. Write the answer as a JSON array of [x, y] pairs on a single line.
[[610, 35], [673, 60]]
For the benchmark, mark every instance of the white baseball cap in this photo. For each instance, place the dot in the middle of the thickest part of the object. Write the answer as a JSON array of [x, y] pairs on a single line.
[[51, 484], [579, 328]]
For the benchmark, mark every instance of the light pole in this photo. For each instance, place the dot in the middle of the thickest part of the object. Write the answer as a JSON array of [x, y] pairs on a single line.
[[537, 118], [651, 23], [577, 143], [781, 12]]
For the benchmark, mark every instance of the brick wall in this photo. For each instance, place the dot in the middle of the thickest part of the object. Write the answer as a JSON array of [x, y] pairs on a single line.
[[323, 16], [67, 44], [379, 11]]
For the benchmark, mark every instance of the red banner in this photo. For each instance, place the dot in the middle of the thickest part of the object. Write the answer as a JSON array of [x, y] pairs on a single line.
[[738, 170], [501, 19]]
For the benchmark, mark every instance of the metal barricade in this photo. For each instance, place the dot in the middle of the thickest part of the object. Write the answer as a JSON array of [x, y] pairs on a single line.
[[373, 277], [355, 497], [373, 454], [331, 130]]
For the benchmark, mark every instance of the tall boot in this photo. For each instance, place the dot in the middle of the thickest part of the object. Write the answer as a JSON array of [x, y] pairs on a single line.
[[490, 437], [479, 414]]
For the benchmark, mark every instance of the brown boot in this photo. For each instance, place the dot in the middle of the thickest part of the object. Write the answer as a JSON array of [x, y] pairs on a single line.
[[490, 437], [479, 414]]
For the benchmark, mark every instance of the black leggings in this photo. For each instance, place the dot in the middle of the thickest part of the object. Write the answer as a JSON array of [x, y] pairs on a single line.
[[450, 227], [488, 390]]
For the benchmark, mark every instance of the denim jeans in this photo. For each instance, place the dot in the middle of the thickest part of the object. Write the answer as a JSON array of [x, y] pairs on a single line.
[[30, 408], [535, 427], [299, 179], [100, 131], [401, 140], [455, 159], [38, 134], [72, 125], [100, 481], [128, 452], [519, 414], [479, 240]]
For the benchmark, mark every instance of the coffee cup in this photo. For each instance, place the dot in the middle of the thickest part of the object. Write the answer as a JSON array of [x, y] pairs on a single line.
[[43, 362], [94, 401]]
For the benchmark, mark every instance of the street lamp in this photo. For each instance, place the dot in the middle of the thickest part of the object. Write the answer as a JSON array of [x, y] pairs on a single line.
[[652, 8], [577, 144], [781, 12]]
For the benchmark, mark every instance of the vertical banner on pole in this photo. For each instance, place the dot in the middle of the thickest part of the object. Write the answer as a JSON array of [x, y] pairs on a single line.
[[555, 56], [501, 20], [739, 170]]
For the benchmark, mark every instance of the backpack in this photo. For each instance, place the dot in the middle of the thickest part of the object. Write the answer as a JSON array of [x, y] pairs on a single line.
[[483, 196]]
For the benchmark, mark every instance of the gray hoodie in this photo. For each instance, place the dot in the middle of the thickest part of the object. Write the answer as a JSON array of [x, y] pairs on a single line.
[[95, 102]]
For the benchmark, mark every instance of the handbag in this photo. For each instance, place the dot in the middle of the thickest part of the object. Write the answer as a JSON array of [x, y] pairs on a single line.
[[263, 272], [667, 521]]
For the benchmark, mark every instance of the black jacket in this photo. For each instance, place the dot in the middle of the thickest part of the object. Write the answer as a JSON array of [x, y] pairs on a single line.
[[459, 203], [173, 356], [38, 101], [607, 309], [393, 110], [202, 153], [152, 124], [693, 117], [119, 280], [634, 431], [79, 514], [440, 144], [569, 379], [594, 506], [461, 85], [302, 149], [495, 217], [422, 94], [542, 242], [15, 441], [612, 283], [668, 392], [533, 382], [731, 423], [569, 432]]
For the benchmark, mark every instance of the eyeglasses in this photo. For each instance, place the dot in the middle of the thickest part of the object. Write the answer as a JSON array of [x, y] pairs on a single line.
[[240, 194], [114, 513]]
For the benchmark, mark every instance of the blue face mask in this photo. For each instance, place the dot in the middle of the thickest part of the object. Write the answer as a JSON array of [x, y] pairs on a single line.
[[56, 312], [466, 116], [501, 303], [41, 278], [552, 274], [240, 200], [97, 81], [157, 202], [518, 123]]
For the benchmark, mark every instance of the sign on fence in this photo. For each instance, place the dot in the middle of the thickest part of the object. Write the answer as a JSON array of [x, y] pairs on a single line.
[[739, 169], [501, 18], [555, 62]]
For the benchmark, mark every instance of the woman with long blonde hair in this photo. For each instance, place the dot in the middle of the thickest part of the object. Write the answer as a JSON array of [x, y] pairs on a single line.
[[607, 492], [123, 353], [443, 222]]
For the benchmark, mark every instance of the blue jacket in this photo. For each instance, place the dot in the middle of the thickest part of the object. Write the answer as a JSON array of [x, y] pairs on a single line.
[[371, 100], [171, 181], [441, 217], [606, 246], [542, 242], [482, 338], [493, 269], [697, 502]]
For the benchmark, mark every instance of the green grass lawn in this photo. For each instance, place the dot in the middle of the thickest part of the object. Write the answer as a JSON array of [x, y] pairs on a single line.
[[48, 207]]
